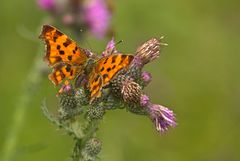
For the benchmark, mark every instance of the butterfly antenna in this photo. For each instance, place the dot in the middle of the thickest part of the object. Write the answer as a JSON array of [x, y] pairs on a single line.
[[119, 42]]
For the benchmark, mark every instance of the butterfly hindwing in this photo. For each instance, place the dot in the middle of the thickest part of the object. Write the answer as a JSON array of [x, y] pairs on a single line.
[[95, 85], [106, 68], [62, 71]]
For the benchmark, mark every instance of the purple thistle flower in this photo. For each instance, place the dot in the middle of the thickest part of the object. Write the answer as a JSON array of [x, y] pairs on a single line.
[[144, 100], [66, 88], [110, 48], [46, 4], [146, 77], [97, 17], [111, 44], [162, 117]]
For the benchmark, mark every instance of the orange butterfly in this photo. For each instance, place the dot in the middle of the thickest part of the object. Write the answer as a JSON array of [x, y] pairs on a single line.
[[69, 61]]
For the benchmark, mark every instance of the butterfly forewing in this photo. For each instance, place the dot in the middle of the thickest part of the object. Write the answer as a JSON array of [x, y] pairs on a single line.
[[62, 52]]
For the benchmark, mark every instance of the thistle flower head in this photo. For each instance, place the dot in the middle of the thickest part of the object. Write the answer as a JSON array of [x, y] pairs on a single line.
[[97, 17], [147, 52], [110, 48], [46, 4], [66, 88], [146, 77], [162, 117], [144, 101]]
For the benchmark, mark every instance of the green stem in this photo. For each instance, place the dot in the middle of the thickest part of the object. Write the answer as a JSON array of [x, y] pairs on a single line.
[[80, 143]]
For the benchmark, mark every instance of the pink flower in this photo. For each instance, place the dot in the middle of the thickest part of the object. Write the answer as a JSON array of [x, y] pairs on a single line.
[[110, 48], [146, 77], [162, 117], [66, 88], [97, 17], [46, 4], [144, 100]]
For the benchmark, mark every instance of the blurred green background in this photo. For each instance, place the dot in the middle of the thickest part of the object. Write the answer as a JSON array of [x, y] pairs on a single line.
[[197, 76]]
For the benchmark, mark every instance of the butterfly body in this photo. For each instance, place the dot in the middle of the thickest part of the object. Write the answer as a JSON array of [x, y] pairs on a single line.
[[69, 62]]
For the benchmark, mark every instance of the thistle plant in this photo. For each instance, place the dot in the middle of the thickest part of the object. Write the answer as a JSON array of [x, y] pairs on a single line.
[[77, 113], [80, 117]]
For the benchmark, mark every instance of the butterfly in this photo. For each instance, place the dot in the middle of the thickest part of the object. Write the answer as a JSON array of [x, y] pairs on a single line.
[[69, 62]]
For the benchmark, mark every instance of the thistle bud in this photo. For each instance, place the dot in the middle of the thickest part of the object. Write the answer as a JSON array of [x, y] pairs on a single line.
[[82, 97], [147, 52], [95, 112], [116, 84], [67, 105], [131, 92], [93, 146], [91, 149]]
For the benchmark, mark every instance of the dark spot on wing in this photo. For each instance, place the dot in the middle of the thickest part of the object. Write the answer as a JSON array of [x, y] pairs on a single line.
[[96, 79], [105, 76], [47, 28], [108, 69], [62, 74], [130, 58], [113, 66], [58, 59], [105, 61], [59, 33], [61, 52], [58, 47], [95, 87], [114, 59], [102, 69], [70, 57], [124, 57], [67, 42], [71, 72], [55, 38]]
